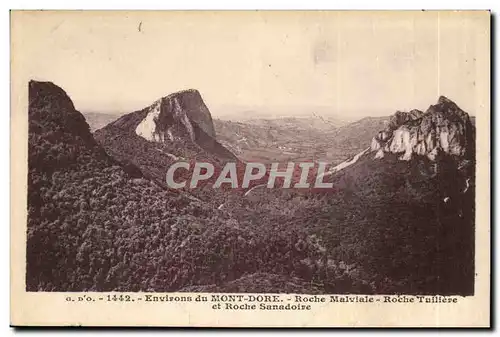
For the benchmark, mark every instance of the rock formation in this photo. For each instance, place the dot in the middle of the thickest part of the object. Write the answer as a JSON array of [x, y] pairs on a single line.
[[185, 108], [443, 128], [177, 118]]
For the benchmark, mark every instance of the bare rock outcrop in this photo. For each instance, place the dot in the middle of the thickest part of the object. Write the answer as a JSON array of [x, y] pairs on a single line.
[[443, 128], [183, 108]]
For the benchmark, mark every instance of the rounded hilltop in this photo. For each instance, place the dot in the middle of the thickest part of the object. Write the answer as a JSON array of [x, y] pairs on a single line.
[[45, 94]]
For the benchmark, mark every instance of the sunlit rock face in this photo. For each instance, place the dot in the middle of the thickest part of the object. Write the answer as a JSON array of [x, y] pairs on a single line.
[[181, 118], [176, 115], [443, 128]]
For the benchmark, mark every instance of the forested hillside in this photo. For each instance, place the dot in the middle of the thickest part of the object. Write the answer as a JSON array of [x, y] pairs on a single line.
[[96, 225], [98, 218]]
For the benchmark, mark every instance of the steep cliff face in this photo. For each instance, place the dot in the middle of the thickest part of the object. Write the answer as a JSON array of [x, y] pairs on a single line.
[[181, 118], [443, 128], [176, 127], [183, 108]]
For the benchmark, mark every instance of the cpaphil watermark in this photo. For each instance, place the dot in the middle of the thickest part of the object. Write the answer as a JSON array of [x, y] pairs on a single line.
[[294, 175]]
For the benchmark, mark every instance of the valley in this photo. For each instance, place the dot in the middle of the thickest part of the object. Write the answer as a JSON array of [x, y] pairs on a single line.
[[296, 139]]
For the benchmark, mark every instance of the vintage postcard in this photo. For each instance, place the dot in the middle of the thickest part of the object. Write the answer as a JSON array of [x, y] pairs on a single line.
[[250, 168]]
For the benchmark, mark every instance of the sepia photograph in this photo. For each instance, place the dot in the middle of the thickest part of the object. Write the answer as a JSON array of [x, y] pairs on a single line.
[[256, 160]]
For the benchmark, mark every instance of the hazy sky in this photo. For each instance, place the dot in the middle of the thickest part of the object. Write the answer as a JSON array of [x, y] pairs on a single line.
[[353, 64]]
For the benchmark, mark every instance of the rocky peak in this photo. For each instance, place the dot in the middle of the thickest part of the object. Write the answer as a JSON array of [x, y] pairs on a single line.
[[443, 128], [180, 117], [402, 117], [175, 115]]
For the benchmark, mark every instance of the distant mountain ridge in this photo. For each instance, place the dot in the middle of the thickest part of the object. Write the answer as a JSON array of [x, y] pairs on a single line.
[[98, 120]]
